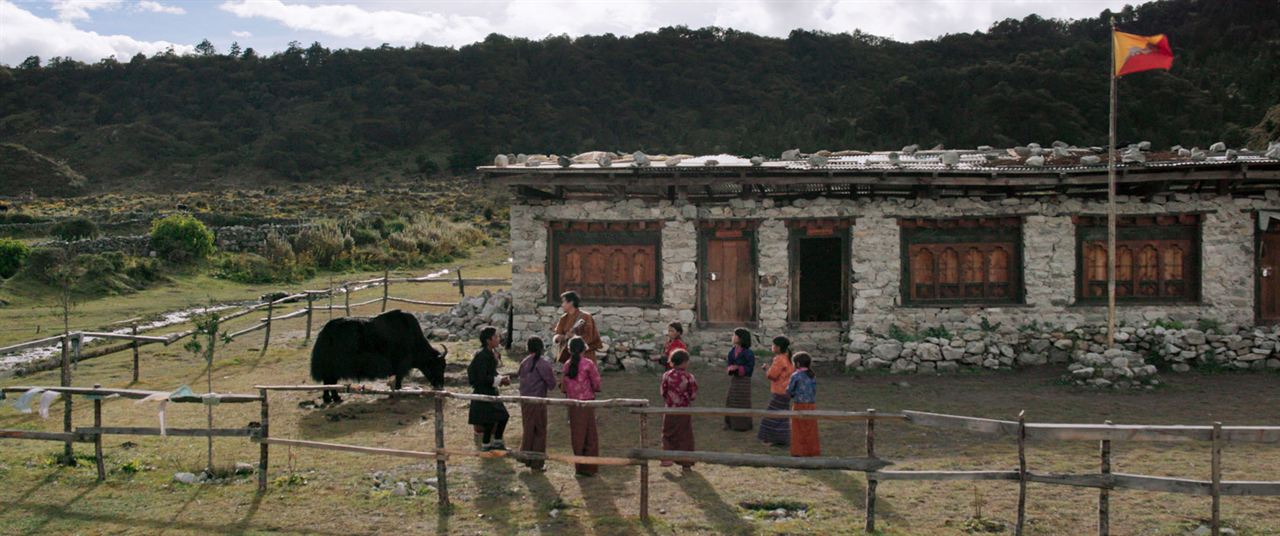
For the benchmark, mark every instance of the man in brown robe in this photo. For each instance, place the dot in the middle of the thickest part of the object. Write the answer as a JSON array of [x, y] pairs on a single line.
[[577, 322]]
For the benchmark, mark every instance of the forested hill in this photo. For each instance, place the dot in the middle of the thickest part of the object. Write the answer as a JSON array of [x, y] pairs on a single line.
[[311, 113]]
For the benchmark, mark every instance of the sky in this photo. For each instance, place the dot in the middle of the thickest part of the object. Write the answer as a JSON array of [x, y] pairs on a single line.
[[90, 30]]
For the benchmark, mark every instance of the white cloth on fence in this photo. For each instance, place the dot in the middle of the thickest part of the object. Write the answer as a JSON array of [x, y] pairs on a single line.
[[163, 399], [46, 400], [23, 403]]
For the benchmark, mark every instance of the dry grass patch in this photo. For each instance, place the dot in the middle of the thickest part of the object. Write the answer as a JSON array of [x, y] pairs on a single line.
[[334, 493]]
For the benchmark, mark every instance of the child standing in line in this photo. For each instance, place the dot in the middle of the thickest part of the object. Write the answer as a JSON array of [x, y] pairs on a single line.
[[777, 432], [678, 389], [536, 378], [803, 390], [741, 363], [484, 378], [675, 331], [581, 381]]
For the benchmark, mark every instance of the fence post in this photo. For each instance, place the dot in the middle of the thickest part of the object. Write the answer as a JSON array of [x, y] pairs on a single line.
[[386, 288], [97, 438], [264, 434], [644, 470], [266, 339], [134, 331], [442, 476], [1022, 472], [1104, 494], [208, 375], [462, 288], [511, 320], [871, 481], [310, 301], [1215, 486], [346, 298], [68, 455], [331, 291]]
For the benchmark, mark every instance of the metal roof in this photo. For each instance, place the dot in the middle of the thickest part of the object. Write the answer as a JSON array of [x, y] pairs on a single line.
[[928, 162]]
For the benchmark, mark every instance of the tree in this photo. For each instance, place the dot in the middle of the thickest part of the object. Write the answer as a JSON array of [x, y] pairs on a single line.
[[235, 50], [205, 48], [31, 63]]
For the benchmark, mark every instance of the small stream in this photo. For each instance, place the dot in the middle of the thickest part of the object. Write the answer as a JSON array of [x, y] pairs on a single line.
[[11, 362]]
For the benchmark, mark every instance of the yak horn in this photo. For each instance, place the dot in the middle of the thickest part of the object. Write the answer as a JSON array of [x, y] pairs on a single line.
[[446, 351]]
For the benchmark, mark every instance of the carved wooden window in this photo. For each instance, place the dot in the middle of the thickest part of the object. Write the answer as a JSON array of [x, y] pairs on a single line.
[[605, 262], [961, 261], [1157, 258]]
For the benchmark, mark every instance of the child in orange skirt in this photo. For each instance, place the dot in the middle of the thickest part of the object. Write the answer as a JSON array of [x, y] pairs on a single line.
[[803, 389]]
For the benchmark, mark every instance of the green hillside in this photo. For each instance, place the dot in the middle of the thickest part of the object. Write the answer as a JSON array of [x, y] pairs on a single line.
[[311, 113]]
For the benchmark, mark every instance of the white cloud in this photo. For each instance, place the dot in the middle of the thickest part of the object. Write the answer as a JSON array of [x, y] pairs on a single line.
[[26, 34], [240, 34], [156, 7], [375, 26], [79, 9], [410, 21]]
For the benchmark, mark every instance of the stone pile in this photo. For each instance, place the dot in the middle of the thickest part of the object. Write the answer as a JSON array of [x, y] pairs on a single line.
[[631, 355], [464, 320], [1231, 347], [1133, 362], [1114, 367], [971, 349]]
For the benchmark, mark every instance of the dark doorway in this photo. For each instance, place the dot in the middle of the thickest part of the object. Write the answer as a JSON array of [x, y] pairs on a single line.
[[820, 280], [1268, 280]]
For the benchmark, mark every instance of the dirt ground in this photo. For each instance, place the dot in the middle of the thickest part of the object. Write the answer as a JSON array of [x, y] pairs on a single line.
[[323, 492]]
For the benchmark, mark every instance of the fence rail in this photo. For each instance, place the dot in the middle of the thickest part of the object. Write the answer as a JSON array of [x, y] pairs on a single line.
[[641, 455], [73, 342]]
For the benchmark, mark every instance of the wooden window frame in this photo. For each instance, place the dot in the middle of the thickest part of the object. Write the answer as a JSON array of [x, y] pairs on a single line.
[[603, 233], [799, 229], [964, 232], [708, 229], [1136, 232]]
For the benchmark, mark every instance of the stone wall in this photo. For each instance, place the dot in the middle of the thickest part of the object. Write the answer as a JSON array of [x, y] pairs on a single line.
[[233, 239], [1049, 266], [240, 238], [136, 245]]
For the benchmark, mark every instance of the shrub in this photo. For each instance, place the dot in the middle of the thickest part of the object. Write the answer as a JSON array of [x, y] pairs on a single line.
[[181, 238], [364, 236], [254, 268], [438, 239], [12, 255], [72, 229], [278, 250], [322, 244], [43, 264]]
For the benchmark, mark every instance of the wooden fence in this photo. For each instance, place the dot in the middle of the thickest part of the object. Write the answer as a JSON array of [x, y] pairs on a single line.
[[72, 343], [873, 466]]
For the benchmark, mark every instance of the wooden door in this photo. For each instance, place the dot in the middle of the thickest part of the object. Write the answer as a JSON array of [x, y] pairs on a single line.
[[729, 278], [1267, 276]]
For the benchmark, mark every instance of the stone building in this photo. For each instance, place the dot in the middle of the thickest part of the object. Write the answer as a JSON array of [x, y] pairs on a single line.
[[979, 258]]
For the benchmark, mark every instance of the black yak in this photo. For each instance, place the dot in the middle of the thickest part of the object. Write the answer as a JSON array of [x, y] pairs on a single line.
[[389, 344]]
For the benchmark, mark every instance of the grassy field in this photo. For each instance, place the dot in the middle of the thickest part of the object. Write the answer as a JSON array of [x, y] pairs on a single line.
[[33, 312], [331, 493]]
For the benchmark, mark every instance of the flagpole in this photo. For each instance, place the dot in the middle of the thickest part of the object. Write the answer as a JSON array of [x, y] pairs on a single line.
[[1111, 202]]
